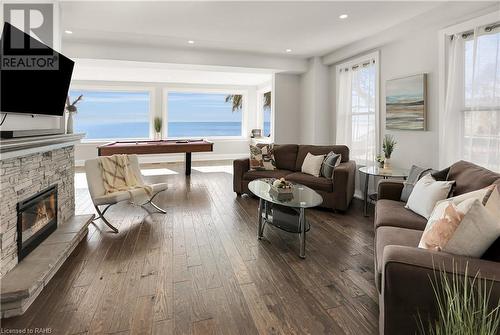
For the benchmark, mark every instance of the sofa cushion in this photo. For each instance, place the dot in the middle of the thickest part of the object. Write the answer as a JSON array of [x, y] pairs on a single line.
[[470, 177], [392, 236], [393, 213], [252, 175], [285, 156], [316, 183], [320, 150]]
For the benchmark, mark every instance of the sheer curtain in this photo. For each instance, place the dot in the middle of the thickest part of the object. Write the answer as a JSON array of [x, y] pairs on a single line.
[[471, 129], [344, 109], [356, 111]]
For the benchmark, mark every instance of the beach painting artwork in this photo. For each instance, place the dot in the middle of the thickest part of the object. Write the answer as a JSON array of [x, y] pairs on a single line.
[[405, 103]]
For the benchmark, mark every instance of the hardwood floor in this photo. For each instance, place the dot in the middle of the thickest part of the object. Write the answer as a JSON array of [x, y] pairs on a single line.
[[200, 269]]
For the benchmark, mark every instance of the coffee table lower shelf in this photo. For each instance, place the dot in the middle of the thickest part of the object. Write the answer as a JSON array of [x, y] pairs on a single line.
[[289, 219]]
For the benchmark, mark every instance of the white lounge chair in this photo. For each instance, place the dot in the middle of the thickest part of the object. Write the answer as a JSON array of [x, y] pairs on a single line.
[[97, 192]]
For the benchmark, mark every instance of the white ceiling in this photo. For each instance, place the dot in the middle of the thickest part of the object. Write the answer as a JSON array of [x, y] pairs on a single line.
[[308, 28]]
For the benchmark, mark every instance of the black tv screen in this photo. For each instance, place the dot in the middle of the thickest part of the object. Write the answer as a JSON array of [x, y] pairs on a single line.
[[34, 78]]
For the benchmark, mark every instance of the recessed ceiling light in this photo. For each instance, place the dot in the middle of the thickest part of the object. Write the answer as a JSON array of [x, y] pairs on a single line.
[[191, 42], [288, 50], [343, 16], [69, 32]]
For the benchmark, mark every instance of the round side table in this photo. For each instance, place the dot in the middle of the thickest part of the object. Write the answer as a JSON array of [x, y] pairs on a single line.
[[378, 172]]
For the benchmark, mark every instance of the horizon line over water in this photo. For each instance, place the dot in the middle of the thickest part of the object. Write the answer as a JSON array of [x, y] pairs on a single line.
[[126, 130]]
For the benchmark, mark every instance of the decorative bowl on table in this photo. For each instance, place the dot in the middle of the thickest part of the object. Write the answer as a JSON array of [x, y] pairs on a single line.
[[281, 189]]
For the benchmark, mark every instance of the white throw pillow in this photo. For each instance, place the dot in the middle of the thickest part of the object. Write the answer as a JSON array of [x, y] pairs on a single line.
[[426, 193], [312, 164]]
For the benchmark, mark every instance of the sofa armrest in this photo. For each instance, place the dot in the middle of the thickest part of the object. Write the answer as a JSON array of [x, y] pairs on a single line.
[[407, 292], [240, 167], [344, 184], [390, 189]]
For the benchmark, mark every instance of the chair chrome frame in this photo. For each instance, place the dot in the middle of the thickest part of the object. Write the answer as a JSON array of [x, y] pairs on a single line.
[[113, 228], [96, 189]]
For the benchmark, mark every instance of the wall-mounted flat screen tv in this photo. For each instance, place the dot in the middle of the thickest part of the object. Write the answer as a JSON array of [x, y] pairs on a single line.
[[34, 78]]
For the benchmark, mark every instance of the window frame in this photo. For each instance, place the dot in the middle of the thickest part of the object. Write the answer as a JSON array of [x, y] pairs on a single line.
[[208, 90], [260, 110], [120, 88], [443, 53]]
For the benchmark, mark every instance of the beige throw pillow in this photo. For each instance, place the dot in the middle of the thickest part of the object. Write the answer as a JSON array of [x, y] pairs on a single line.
[[426, 193], [467, 229], [482, 195], [312, 164]]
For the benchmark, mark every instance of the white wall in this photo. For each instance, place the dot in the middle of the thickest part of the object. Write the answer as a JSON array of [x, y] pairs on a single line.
[[286, 104], [314, 112], [412, 56]]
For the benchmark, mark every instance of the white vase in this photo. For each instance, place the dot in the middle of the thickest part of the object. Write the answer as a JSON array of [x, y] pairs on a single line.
[[157, 136], [69, 124], [387, 164]]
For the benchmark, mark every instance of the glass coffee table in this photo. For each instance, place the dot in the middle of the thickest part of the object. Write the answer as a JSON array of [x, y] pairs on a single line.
[[287, 212]]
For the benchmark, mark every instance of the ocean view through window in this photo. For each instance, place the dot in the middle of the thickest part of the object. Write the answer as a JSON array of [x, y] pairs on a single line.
[[193, 114], [112, 114]]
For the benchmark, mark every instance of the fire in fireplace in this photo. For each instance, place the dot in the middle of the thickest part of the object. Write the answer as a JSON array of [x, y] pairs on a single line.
[[36, 220]]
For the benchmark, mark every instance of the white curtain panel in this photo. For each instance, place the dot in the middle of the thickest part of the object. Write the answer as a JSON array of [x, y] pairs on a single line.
[[356, 112], [450, 145], [471, 129], [344, 109]]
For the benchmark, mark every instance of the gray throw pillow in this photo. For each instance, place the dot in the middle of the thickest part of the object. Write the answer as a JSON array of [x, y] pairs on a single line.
[[416, 172], [331, 161], [441, 175]]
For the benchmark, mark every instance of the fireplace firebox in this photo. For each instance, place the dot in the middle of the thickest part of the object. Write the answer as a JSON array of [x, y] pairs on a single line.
[[36, 220]]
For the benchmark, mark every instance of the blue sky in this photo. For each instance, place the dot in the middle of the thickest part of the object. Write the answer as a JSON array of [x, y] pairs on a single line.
[[185, 106], [127, 107]]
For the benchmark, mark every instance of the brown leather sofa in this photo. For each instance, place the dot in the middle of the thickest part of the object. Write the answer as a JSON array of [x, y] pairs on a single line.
[[337, 193], [403, 270]]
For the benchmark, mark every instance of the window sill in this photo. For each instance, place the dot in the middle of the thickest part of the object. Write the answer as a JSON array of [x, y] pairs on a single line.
[[212, 139]]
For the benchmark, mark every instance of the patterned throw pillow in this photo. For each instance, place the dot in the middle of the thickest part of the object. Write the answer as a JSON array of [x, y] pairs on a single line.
[[262, 157], [466, 229], [332, 160]]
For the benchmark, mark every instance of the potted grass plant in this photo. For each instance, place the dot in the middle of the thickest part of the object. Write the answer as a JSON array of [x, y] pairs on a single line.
[[157, 125], [388, 146], [463, 305]]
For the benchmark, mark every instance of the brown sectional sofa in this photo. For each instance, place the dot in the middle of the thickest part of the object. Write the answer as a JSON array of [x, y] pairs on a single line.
[[403, 270], [337, 193]]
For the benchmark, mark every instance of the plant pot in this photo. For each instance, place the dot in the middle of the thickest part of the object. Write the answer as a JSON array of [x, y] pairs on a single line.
[[380, 165], [387, 164], [157, 136]]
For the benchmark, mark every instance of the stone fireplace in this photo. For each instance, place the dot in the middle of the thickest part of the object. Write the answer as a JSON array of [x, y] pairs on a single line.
[[38, 226], [22, 178], [36, 220]]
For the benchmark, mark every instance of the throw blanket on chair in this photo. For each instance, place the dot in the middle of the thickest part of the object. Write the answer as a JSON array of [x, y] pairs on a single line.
[[117, 175]]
